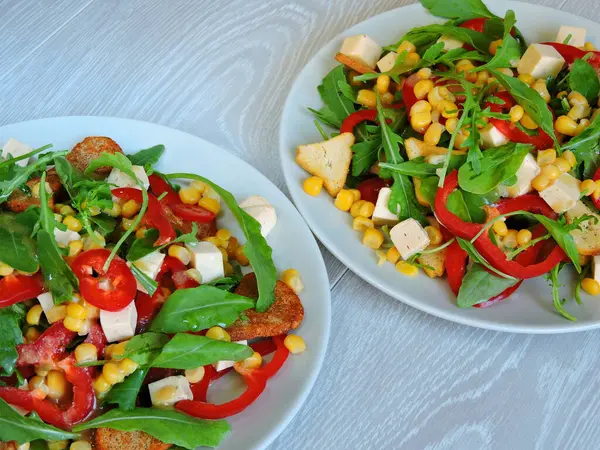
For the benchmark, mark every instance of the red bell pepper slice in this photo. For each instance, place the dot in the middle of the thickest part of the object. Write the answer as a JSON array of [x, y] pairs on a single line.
[[88, 268], [369, 189], [194, 213], [357, 117], [159, 187], [48, 348], [478, 25], [570, 53], [18, 288], [456, 266], [408, 92], [155, 216]]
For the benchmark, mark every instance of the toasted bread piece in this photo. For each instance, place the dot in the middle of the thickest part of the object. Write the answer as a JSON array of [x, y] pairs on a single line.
[[352, 63], [185, 226], [109, 439], [12, 445], [435, 263], [329, 160], [587, 238], [284, 315], [19, 201], [89, 149]]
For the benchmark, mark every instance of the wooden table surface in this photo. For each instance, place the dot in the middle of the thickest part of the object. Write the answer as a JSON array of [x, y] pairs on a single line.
[[394, 377]]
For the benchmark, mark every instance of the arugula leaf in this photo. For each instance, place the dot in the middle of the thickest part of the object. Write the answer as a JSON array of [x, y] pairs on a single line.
[[199, 308], [143, 348], [509, 52], [365, 155], [149, 285], [479, 286], [11, 320], [188, 351], [144, 246], [256, 248], [558, 302], [16, 246], [105, 224], [417, 167], [457, 206], [171, 427], [475, 39], [11, 160], [561, 235], [458, 9], [476, 256], [583, 78], [338, 105], [475, 205], [148, 156], [125, 394], [326, 116], [68, 175], [15, 427]]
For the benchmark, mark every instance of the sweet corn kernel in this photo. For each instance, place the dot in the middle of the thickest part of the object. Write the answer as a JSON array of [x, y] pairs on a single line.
[[80, 445], [86, 352], [590, 286], [407, 47], [58, 445], [433, 134], [551, 172], [127, 366], [516, 113], [579, 112], [291, 277], [75, 247], [355, 208], [227, 268], [32, 334], [373, 238], [216, 241], [528, 122], [56, 313], [588, 46], [523, 237], [181, 253], [58, 218], [72, 223], [448, 109], [35, 382], [294, 343], [76, 311], [211, 204], [35, 190], [540, 182], [561, 95], [34, 314], [5, 269], [387, 98], [344, 200], [451, 125], [351, 75], [57, 384], [570, 157], [93, 242], [425, 73], [366, 98], [130, 208], [194, 274], [73, 324], [382, 84], [577, 99], [392, 255], [361, 224], [116, 351], [407, 269], [528, 79], [126, 224], [251, 363], [546, 157], [165, 396], [218, 334], [506, 71], [581, 126], [493, 48], [223, 234], [423, 88], [562, 164], [91, 311], [140, 233], [542, 89], [566, 125], [500, 228], [412, 59], [482, 78], [195, 375], [100, 385], [362, 208], [587, 187], [510, 240], [114, 211], [420, 121], [112, 373], [190, 195], [420, 107], [435, 235], [240, 256]]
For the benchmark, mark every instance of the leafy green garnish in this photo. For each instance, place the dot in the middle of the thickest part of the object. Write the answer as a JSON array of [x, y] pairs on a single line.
[[479, 286], [148, 156], [144, 246], [458, 9], [475, 39], [365, 155], [509, 52], [16, 246], [145, 281], [337, 105], [473, 253], [583, 78], [558, 302], [125, 394], [143, 348], [11, 320]]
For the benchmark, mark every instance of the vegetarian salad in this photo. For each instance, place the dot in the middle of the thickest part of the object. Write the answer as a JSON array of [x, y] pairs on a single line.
[[122, 301], [462, 149]]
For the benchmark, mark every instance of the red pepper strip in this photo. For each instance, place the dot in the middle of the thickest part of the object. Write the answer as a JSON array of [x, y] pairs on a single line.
[[478, 25], [456, 266], [408, 92], [358, 117], [529, 202], [155, 216], [159, 187], [595, 199], [18, 288], [571, 53], [264, 347], [256, 381], [200, 389], [49, 347]]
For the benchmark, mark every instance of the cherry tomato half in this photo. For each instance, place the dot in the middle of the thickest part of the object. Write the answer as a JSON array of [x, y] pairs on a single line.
[[194, 213], [369, 189], [18, 288]]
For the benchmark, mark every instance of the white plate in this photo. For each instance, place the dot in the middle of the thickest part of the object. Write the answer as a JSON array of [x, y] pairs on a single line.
[[531, 309], [293, 246]]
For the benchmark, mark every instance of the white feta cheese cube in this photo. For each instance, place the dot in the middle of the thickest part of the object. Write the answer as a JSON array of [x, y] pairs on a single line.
[[121, 179], [563, 194], [450, 43], [363, 49], [596, 268], [64, 237], [382, 215], [492, 137], [182, 390], [46, 301], [577, 35], [387, 62], [409, 237], [259, 208], [222, 365], [15, 149], [527, 172], [541, 61], [119, 325], [150, 265], [208, 260], [435, 159]]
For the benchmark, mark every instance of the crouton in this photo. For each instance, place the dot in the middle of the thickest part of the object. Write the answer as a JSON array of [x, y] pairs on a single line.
[[109, 439], [284, 315], [89, 149], [329, 160], [12, 445], [353, 63], [19, 200], [185, 226], [433, 155], [434, 263], [587, 238]]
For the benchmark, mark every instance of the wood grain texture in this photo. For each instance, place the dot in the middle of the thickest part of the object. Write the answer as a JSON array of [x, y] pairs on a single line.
[[394, 377]]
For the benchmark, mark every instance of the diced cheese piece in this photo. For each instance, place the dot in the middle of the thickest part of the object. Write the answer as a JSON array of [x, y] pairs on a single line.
[[563, 194], [435, 159], [260, 208], [527, 172], [363, 49], [182, 390], [46, 301], [121, 179], [596, 268], [119, 325], [222, 365], [150, 265], [64, 237], [382, 215], [387, 62], [577, 34], [15, 149], [491, 137], [208, 260], [450, 43], [409, 237], [541, 61]]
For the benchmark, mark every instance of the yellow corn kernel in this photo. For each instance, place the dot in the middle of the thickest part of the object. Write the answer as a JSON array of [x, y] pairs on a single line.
[[344, 200], [294, 343], [32, 334], [510, 240], [464, 65], [382, 84], [80, 445], [351, 75], [57, 384], [73, 324], [581, 126], [528, 79], [547, 156], [251, 363], [112, 373], [114, 211], [58, 218], [181, 253], [240, 256], [542, 89], [407, 269], [435, 116], [366, 98], [35, 382], [422, 106], [100, 385], [579, 112], [570, 157], [216, 241], [407, 47], [291, 277], [420, 121], [5, 269], [190, 195], [58, 445], [425, 73], [590, 286], [482, 78], [528, 122], [562, 164], [56, 313], [115, 351], [435, 96], [551, 172], [506, 71], [223, 234], [412, 59], [218, 334], [361, 224], [451, 125], [93, 242], [313, 185], [435, 235], [516, 113], [393, 255], [34, 315], [523, 237], [75, 247], [130, 208], [493, 48], [460, 139], [91, 311], [194, 274], [448, 109], [561, 95], [211, 204], [76, 311], [587, 187], [500, 228], [540, 182], [434, 134], [423, 88], [577, 99], [86, 352], [227, 268], [355, 208], [362, 208], [140, 233], [126, 224], [35, 190], [94, 210], [72, 223], [195, 375], [588, 46], [164, 396], [373, 238], [127, 366], [387, 98]]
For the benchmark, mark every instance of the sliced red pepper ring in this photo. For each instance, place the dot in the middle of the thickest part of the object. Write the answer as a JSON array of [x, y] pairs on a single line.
[[48, 348], [357, 117], [111, 290], [154, 217], [478, 24], [570, 53], [18, 288], [194, 213], [160, 188]]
